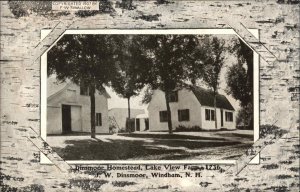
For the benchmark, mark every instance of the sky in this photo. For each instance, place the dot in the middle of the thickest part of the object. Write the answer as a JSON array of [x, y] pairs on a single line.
[[116, 102]]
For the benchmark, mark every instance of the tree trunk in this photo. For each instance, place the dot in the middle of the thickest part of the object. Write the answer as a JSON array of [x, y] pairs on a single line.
[[215, 106], [251, 124], [128, 122], [245, 118], [128, 99], [168, 112], [250, 117], [93, 114]]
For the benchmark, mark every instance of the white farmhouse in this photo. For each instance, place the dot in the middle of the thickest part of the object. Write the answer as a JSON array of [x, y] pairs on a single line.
[[191, 106], [68, 108]]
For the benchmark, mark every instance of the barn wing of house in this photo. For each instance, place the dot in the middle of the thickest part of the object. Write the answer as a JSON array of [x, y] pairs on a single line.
[[121, 114], [68, 108], [192, 106]]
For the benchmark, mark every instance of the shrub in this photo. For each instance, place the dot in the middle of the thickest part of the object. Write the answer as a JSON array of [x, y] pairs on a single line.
[[121, 130], [195, 128], [113, 129], [182, 128], [244, 118]]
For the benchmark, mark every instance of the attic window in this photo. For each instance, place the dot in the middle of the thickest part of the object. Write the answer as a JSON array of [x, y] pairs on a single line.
[[229, 116], [173, 96], [84, 90]]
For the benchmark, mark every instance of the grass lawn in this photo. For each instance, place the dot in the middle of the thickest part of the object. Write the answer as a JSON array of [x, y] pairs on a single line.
[[152, 146]]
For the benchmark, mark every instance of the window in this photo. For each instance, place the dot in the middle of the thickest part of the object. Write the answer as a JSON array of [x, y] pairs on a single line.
[[184, 115], [229, 116], [84, 90], [173, 96], [212, 115], [98, 119], [209, 115], [163, 116]]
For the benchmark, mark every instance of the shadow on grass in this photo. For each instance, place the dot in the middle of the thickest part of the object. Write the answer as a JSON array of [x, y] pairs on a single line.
[[170, 136], [119, 149], [74, 133]]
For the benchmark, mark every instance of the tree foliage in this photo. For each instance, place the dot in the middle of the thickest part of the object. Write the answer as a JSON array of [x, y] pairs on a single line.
[[240, 75], [83, 59], [127, 82], [196, 60], [240, 81], [237, 83], [213, 60], [169, 55]]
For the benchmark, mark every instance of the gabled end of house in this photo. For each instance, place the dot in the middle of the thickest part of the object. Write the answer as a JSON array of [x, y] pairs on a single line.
[[69, 108]]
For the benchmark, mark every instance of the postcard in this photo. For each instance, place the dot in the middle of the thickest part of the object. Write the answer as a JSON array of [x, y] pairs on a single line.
[[157, 95]]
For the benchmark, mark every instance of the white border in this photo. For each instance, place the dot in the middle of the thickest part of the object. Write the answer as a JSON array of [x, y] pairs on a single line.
[[45, 32]]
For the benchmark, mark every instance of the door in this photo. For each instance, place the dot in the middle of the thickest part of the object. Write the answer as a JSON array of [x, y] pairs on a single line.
[[222, 118], [137, 121], [66, 119], [76, 118], [147, 124]]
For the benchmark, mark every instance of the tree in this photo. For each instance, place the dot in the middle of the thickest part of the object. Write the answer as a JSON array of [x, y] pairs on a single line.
[[214, 60], [125, 82], [86, 60], [237, 84], [240, 79], [165, 69], [244, 56], [125, 87]]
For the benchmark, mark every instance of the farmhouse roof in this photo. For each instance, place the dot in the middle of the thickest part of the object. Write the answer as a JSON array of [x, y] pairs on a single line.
[[55, 87], [206, 98]]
